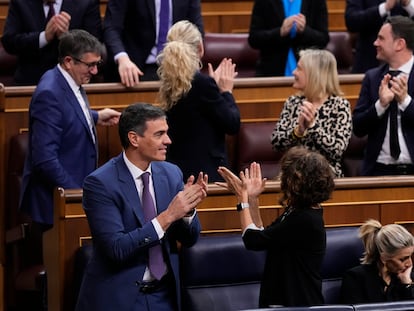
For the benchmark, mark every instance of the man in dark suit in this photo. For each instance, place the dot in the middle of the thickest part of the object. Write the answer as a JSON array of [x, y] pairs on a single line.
[[34, 39], [365, 18], [120, 275], [62, 135], [131, 34], [388, 88]]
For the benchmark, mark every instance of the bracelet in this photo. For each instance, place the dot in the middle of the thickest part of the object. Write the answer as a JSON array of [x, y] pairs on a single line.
[[242, 206], [296, 135], [409, 285]]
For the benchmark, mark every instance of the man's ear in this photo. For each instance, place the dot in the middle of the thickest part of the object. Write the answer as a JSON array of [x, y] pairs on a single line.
[[133, 138]]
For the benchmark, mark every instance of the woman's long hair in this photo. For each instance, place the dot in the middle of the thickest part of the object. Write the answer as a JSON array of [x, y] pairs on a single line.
[[178, 62]]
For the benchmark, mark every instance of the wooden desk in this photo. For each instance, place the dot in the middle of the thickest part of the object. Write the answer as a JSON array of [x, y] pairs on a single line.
[[388, 199]]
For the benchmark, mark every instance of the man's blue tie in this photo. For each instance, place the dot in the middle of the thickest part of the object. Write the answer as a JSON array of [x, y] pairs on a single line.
[[156, 264], [163, 25]]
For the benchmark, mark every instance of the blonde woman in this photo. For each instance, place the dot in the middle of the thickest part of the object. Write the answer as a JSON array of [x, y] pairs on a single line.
[[386, 271], [317, 117], [201, 109]]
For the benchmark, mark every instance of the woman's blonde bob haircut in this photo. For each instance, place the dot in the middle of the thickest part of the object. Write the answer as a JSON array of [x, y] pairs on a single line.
[[321, 73], [178, 62]]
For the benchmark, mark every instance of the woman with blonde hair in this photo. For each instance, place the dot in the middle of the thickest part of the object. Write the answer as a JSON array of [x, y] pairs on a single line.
[[385, 273], [200, 108], [318, 117]]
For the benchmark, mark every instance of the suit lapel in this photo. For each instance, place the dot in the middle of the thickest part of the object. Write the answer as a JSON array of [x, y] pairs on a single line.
[[129, 189], [160, 187], [71, 98], [151, 8]]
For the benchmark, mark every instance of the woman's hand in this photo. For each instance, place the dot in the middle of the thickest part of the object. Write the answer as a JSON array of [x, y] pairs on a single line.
[[233, 183], [252, 180]]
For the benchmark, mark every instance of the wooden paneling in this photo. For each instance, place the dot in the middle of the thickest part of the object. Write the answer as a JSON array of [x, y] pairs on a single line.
[[227, 16], [388, 199], [259, 99]]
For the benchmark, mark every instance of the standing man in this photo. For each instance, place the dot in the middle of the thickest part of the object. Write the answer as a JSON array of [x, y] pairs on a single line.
[[138, 209], [365, 18], [33, 29], [135, 32], [62, 135], [385, 108]]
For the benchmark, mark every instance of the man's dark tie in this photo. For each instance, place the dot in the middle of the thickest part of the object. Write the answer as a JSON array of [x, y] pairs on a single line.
[[394, 143], [156, 264], [51, 12], [92, 122], [163, 26]]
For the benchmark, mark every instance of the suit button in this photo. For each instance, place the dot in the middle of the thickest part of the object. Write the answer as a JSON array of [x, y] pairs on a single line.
[[147, 240]]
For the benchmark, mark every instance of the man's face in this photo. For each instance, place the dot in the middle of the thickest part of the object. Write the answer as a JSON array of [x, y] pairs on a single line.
[[82, 69], [385, 43], [153, 145]]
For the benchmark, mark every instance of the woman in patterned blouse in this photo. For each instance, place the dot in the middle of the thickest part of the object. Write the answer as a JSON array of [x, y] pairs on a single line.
[[317, 117]]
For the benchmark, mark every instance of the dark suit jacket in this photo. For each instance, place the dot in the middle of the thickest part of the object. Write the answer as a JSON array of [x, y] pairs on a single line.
[[121, 237], [367, 122], [264, 35], [198, 125], [61, 149], [129, 26], [362, 17], [26, 20]]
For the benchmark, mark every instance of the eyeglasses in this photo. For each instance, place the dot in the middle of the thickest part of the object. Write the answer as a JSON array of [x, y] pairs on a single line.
[[91, 64]]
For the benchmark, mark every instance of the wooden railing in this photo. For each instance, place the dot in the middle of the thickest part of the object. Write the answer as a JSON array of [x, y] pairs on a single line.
[[259, 99], [388, 199], [226, 15]]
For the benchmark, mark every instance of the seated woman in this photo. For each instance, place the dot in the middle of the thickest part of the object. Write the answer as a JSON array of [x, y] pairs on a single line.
[[317, 117], [200, 108], [295, 241], [386, 271]]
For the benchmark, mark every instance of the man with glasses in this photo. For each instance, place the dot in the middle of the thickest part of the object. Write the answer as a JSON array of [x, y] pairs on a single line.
[[62, 135]]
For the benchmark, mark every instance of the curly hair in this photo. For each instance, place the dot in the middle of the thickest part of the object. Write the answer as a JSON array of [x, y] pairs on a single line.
[[306, 178], [178, 62], [383, 240]]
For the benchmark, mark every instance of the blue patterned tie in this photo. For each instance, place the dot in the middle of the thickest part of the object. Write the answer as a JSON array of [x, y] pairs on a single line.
[[156, 265]]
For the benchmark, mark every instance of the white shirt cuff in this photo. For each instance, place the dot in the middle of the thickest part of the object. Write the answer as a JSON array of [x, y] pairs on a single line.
[[158, 228], [42, 40]]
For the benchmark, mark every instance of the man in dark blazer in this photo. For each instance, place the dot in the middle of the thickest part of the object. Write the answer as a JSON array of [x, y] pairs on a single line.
[[379, 91], [119, 275], [365, 18], [270, 32], [130, 34], [62, 136], [35, 40]]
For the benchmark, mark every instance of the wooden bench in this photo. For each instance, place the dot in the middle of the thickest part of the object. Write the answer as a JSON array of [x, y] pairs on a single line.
[[388, 199]]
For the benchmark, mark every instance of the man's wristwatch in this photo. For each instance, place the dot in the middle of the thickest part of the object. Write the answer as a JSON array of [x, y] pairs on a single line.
[[241, 206]]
